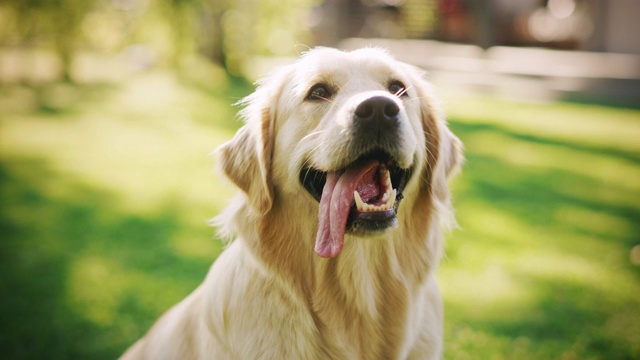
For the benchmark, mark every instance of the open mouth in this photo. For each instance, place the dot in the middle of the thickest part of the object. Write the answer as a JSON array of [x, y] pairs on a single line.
[[361, 198]]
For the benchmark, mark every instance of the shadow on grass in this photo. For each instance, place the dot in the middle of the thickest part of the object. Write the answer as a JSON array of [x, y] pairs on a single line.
[[562, 312], [537, 195], [81, 278], [540, 197], [566, 321], [611, 151]]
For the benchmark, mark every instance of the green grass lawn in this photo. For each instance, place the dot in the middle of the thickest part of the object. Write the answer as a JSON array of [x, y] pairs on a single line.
[[106, 192], [549, 208]]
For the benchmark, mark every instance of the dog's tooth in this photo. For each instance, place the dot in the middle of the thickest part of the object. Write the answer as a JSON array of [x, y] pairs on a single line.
[[392, 199], [360, 205], [388, 200], [387, 177], [385, 197]]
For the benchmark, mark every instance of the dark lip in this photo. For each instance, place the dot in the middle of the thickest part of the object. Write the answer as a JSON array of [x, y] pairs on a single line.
[[313, 180]]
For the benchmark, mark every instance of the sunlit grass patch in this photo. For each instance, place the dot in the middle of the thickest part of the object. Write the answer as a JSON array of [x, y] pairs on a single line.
[[145, 148], [589, 126], [548, 204]]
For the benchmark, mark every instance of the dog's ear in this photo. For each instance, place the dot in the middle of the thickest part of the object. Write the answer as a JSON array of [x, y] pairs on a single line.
[[444, 149], [453, 158], [246, 158]]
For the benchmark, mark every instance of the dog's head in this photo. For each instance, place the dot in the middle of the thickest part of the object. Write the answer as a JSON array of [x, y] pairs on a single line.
[[348, 135]]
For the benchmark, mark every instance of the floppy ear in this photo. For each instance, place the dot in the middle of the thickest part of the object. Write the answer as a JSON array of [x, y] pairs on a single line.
[[246, 158], [453, 158], [444, 149]]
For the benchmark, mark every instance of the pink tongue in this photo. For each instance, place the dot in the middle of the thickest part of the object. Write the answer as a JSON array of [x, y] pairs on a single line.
[[336, 201]]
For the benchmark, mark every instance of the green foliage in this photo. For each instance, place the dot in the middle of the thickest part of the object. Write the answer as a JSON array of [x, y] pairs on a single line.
[[264, 28], [52, 22], [227, 32], [106, 192]]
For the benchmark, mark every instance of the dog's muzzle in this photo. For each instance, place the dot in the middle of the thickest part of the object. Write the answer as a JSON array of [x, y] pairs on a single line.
[[362, 197]]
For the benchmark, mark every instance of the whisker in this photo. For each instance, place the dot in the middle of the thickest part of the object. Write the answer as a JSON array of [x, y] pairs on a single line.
[[311, 134], [326, 99], [306, 162], [418, 98], [402, 91], [306, 174]]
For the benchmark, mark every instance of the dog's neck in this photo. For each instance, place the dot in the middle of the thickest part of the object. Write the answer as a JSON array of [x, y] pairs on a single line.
[[372, 282]]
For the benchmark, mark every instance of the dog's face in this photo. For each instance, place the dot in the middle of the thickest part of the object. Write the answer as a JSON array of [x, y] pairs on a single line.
[[350, 134]]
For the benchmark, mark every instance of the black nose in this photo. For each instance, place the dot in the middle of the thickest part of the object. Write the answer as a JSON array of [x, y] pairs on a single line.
[[377, 113]]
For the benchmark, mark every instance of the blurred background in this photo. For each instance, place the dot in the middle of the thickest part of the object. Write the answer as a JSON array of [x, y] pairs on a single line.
[[109, 110]]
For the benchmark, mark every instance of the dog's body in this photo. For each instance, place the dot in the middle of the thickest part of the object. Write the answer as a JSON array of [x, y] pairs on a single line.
[[332, 125]]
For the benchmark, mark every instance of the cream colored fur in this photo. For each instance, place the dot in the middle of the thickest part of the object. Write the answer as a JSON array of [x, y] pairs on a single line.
[[268, 295]]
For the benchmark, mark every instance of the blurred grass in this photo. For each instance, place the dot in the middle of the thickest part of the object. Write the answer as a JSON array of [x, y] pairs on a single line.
[[106, 191], [549, 205]]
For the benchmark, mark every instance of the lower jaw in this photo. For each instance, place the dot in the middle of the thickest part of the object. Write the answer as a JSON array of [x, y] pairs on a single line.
[[370, 223]]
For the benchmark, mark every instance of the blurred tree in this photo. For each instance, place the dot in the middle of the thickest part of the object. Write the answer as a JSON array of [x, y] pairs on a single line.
[[487, 22], [225, 31], [419, 17], [53, 23], [211, 44], [263, 27], [231, 32]]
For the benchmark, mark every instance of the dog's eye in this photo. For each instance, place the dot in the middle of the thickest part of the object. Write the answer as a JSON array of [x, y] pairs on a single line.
[[319, 92], [398, 89]]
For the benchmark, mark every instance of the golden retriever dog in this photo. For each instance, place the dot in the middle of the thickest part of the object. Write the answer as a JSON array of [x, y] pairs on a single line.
[[342, 163]]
